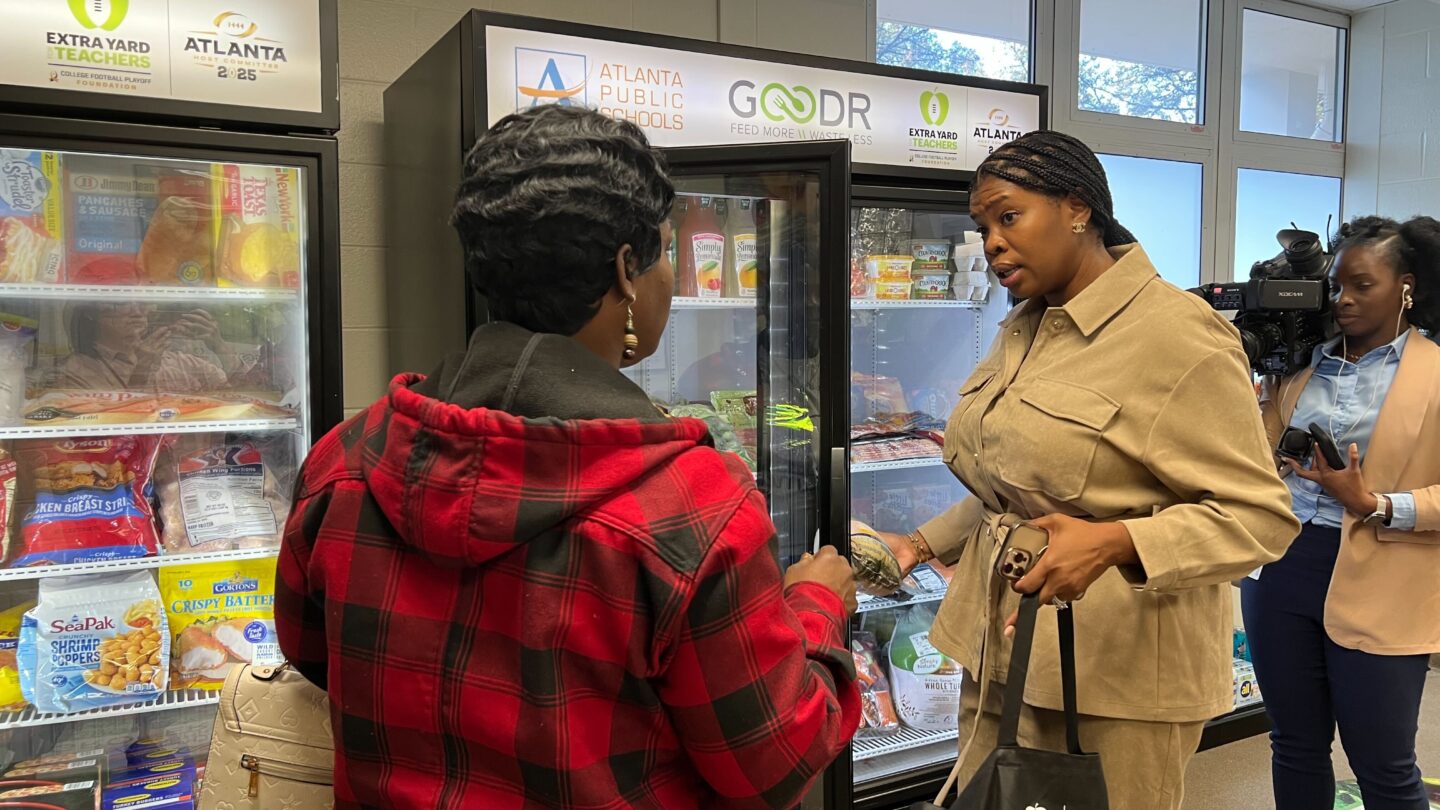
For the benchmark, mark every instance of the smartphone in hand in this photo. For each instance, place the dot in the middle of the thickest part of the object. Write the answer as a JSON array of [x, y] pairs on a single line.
[[1326, 445]]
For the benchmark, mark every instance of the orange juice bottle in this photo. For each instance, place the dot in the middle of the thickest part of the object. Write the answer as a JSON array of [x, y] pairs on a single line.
[[742, 268], [702, 251]]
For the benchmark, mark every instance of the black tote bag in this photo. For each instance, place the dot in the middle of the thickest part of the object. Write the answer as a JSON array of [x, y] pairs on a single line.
[[1016, 778]]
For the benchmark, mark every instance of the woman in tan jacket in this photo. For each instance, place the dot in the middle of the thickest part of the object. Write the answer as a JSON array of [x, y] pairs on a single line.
[[1341, 629], [1117, 412]]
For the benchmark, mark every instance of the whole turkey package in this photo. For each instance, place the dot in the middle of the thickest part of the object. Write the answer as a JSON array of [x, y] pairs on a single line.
[[925, 682], [94, 640], [220, 492]]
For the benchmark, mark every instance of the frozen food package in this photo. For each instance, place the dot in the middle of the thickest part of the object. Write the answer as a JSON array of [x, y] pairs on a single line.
[[8, 473], [128, 408], [877, 716], [17, 340], [178, 246], [220, 614], [31, 250], [259, 225], [11, 698], [926, 682], [87, 500], [95, 640], [47, 794], [109, 207], [221, 492]]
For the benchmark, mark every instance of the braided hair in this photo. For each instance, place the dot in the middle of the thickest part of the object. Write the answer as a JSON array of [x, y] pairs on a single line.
[[1411, 247], [550, 194], [1058, 165]]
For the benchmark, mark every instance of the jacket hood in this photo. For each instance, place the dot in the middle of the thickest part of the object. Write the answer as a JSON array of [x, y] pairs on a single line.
[[510, 440]]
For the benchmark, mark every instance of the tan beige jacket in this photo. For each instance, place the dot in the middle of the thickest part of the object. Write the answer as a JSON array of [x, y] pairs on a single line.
[[1385, 593], [1131, 403]]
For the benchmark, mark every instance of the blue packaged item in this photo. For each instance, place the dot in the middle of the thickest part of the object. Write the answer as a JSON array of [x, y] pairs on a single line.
[[1241, 646], [175, 767], [95, 640], [172, 792]]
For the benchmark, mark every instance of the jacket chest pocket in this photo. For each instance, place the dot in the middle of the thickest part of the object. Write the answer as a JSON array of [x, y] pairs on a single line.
[[1047, 436], [954, 428]]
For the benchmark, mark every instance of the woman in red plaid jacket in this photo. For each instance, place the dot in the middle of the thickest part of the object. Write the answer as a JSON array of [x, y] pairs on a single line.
[[521, 584]]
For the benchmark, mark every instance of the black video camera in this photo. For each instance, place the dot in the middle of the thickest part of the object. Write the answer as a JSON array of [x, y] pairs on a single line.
[[1284, 309]]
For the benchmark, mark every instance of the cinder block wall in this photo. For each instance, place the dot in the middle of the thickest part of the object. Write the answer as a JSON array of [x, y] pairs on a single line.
[[379, 39]]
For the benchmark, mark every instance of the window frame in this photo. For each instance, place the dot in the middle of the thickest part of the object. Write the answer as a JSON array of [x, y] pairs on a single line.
[[1235, 35], [1215, 142], [1067, 79]]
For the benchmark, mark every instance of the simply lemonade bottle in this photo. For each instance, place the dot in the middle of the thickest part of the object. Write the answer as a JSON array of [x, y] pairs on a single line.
[[741, 265], [702, 251]]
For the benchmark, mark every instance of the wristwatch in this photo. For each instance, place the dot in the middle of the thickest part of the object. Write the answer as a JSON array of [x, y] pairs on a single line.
[[1381, 515]]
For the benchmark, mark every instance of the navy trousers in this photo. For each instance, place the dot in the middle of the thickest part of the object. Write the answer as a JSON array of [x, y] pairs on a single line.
[[1310, 684]]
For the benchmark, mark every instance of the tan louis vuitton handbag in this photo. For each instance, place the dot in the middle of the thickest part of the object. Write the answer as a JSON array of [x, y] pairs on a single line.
[[272, 746]]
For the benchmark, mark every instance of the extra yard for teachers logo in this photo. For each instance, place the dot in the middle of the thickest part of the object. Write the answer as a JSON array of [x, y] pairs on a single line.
[[105, 15], [934, 144], [97, 53], [550, 77]]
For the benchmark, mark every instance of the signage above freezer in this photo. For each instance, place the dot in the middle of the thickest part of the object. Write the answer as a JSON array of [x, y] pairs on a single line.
[[266, 62], [692, 93]]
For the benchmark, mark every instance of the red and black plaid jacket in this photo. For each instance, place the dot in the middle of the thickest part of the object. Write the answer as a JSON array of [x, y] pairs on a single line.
[[511, 610]]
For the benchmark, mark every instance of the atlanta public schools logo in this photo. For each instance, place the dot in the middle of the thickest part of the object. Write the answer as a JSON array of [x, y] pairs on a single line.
[[550, 77], [103, 14]]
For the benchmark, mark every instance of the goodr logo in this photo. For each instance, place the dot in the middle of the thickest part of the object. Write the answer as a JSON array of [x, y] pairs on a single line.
[[800, 104], [550, 77], [103, 14]]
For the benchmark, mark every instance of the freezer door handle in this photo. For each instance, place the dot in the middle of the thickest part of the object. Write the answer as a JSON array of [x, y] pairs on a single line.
[[839, 500]]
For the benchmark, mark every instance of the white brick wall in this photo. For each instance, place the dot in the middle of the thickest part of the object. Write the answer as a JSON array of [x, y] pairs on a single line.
[[1393, 157], [379, 39]]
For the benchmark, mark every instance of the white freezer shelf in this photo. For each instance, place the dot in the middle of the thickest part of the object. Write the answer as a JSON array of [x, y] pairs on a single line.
[[712, 303], [186, 699], [902, 464], [887, 602], [903, 740], [73, 430], [110, 566], [135, 292], [865, 303]]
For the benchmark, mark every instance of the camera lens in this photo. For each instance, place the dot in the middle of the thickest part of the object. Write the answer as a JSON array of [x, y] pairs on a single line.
[[1307, 259]]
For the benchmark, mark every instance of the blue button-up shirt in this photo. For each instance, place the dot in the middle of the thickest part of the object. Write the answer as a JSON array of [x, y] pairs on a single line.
[[1345, 399]]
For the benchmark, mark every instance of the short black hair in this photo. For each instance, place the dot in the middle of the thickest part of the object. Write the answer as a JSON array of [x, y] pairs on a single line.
[[549, 195], [1411, 247], [1058, 165]]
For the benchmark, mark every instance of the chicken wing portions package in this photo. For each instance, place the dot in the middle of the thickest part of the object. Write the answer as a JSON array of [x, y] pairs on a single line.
[[221, 614]]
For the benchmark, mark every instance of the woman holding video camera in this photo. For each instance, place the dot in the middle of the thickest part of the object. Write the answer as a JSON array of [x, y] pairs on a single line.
[[1341, 629], [1117, 413]]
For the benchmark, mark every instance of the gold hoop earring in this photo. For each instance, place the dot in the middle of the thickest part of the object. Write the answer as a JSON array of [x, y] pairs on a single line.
[[632, 341], [1078, 227]]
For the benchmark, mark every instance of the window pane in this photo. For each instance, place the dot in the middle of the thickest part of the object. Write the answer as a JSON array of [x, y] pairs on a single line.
[[969, 37], [1268, 202], [1290, 77], [1141, 59], [1160, 202]]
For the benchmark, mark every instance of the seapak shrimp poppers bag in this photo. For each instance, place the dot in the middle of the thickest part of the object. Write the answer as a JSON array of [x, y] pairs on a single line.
[[94, 640]]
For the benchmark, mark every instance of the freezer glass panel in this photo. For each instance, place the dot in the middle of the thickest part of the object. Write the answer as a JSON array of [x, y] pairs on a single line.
[[742, 348], [923, 309], [154, 409]]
